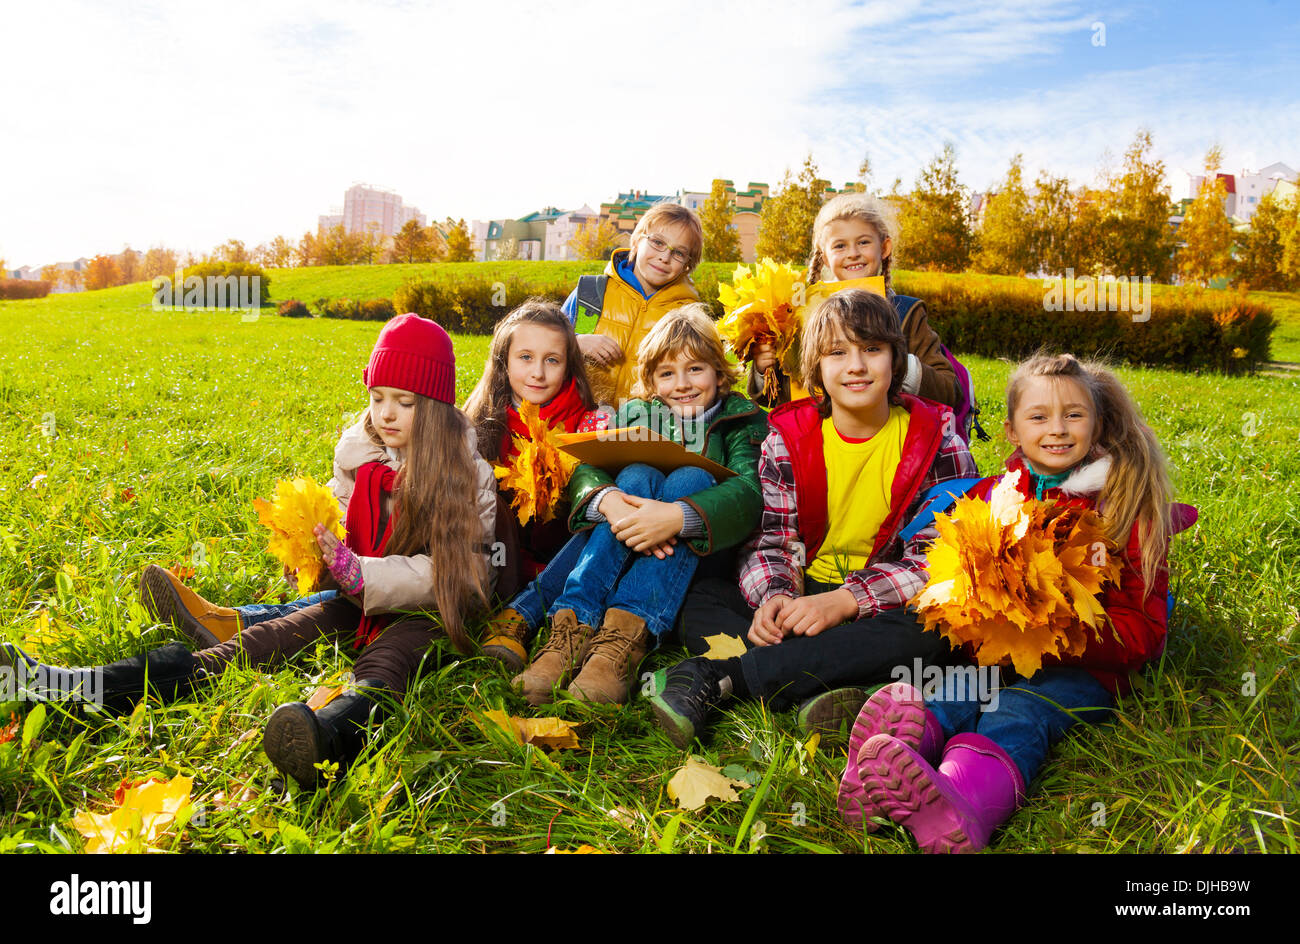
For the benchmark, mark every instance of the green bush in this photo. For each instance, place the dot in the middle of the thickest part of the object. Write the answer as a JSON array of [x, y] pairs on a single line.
[[216, 294], [1186, 329], [470, 305], [350, 309]]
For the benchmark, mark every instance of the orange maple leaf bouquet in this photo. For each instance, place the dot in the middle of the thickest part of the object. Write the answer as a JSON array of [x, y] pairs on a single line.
[[538, 475], [1016, 579], [293, 512]]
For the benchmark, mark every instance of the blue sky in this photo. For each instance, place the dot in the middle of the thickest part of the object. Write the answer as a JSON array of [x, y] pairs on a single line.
[[166, 124]]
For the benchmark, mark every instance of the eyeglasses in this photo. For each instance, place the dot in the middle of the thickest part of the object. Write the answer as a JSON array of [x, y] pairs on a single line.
[[659, 245]]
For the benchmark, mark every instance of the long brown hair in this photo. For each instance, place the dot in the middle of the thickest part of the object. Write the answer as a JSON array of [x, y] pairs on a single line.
[[1137, 487], [850, 206], [435, 504], [486, 405]]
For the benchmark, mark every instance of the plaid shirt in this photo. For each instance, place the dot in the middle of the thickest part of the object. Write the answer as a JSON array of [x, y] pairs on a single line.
[[773, 560]]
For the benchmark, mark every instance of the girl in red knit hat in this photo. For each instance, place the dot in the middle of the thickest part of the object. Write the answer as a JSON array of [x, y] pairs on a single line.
[[419, 505]]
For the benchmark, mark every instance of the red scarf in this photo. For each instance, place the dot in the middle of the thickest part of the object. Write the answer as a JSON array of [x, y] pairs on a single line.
[[565, 409], [374, 481]]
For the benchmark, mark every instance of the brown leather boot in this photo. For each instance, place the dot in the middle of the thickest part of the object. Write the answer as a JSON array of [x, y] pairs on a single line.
[[203, 623], [616, 652], [563, 653], [506, 639]]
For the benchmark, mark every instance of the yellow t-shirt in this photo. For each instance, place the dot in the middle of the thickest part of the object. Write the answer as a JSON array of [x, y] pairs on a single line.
[[859, 477]]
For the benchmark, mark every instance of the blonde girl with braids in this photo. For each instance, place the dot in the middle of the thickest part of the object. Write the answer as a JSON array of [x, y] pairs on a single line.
[[419, 505], [851, 240], [951, 770]]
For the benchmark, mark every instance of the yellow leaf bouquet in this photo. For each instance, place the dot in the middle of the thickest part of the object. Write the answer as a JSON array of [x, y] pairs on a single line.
[[1017, 579], [293, 512], [763, 305], [539, 473]]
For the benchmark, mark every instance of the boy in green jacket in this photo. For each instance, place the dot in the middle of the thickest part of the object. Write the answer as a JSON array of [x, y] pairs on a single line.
[[646, 531]]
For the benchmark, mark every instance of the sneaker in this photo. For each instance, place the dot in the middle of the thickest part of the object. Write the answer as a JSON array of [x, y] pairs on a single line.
[[683, 697], [830, 713]]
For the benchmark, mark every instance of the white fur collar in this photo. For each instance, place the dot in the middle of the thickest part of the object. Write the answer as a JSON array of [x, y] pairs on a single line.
[[1087, 479]]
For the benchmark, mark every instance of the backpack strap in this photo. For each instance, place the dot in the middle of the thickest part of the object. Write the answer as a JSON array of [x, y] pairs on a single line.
[[903, 305], [937, 498], [591, 301]]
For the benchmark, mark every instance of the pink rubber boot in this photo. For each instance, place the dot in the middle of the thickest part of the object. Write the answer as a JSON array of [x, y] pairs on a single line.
[[897, 709], [955, 808]]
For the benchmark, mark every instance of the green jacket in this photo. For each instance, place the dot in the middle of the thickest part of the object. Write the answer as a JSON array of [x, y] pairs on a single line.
[[731, 509]]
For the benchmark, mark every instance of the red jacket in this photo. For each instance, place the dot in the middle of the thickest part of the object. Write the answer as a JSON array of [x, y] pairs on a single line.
[[792, 474], [1136, 621]]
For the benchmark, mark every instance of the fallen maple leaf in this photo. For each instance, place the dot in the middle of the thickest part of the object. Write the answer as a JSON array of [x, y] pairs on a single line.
[[722, 646], [539, 472], [293, 512], [696, 781], [583, 849], [544, 732], [9, 731], [145, 812], [1016, 579], [181, 572]]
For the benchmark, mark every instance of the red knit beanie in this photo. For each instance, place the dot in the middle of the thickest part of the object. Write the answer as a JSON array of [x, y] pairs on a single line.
[[414, 354]]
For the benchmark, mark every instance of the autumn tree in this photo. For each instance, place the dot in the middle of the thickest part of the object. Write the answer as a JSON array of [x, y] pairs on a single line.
[[785, 222], [277, 254], [71, 278], [1206, 252], [50, 273], [595, 239], [233, 250], [102, 272], [1134, 233], [307, 252], [935, 221], [1051, 223], [721, 242], [159, 261], [128, 266], [507, 250], [412, 243], [1006, 237], [460, 247]]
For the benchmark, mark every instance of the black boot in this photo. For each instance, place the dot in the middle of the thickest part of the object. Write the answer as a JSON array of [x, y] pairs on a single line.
[[297, 738], [169, 673], [684, 697]]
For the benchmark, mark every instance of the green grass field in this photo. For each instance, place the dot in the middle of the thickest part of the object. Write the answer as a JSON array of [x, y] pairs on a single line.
[[132, 436]]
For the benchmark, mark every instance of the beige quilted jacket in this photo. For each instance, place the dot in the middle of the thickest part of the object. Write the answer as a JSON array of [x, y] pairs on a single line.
[[403, 583]]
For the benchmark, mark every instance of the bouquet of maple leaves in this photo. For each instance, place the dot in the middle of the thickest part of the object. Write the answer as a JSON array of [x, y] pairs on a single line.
[[539, 473], [296, 507], [759, 307], [1017, 579]]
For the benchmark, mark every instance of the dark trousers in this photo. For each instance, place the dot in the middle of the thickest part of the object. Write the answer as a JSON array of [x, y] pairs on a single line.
[[864, 652], [392, 658]]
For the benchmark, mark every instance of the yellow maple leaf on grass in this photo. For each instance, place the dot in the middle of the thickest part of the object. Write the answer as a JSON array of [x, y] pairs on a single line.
[[539, 473], [1017, 579], [293, 512], [544, 732], [143, 815], [722, 646], [695, 782]]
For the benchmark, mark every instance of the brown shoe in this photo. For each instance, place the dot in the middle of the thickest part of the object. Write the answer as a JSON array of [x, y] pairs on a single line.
[[506, 639], [169, 600], [616, 652], [564, 651]]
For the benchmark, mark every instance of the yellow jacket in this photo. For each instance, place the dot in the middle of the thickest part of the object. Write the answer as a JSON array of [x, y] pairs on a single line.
[[626, 317]]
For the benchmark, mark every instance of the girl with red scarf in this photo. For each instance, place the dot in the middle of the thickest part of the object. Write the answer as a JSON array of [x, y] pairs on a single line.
[[420, 508]]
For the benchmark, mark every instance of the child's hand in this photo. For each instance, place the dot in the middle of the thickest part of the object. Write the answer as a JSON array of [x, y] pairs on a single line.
[[649, 525], [764, 630], [345, 567], [764, 356], [604, 351], [808, 616]]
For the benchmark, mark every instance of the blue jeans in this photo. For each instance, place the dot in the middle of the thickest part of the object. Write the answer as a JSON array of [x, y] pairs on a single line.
[[1031, 715], [253, 613], [610, 575], [532, 602]]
